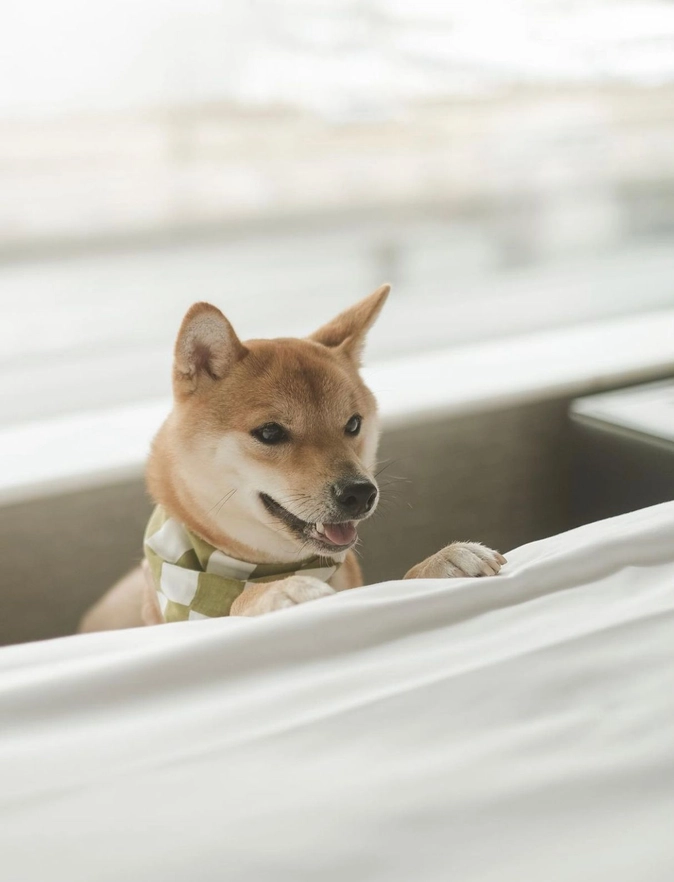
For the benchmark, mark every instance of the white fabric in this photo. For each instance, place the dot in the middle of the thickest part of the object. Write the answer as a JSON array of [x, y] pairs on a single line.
[[170, 542], [511, 729], [179, 584], [222, 564]]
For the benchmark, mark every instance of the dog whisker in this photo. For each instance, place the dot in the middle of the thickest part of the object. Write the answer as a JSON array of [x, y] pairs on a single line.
[[388, 463], [222, 501]]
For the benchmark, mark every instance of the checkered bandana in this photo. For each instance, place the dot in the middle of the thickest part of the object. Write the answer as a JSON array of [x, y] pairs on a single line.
[[194, 580]]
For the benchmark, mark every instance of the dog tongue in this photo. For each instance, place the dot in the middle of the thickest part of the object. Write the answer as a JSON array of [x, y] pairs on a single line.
[[339, 534]]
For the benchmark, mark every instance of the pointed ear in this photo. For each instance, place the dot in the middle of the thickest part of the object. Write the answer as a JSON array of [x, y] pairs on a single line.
[[347, 331], [206, 349]]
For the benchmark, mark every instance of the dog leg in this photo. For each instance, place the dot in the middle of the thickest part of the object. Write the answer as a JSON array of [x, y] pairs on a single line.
[[270, 596], [458, 560], [120, 607]]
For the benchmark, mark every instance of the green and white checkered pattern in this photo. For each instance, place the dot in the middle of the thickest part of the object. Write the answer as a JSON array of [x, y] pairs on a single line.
[[194, 580]]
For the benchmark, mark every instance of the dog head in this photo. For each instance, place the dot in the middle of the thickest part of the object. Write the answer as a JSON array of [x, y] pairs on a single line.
[[271, 444]]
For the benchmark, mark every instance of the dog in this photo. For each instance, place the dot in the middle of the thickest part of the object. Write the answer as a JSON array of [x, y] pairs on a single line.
[[262, 473]]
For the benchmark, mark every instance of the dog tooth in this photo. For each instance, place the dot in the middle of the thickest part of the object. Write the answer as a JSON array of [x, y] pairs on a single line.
[[319, 527]]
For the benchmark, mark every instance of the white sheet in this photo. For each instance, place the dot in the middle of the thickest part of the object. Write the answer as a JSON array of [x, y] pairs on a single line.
[[517, 728]]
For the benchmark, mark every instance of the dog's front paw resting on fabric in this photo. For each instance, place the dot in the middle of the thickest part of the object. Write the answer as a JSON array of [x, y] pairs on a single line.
[[256, 600], [458, 560]]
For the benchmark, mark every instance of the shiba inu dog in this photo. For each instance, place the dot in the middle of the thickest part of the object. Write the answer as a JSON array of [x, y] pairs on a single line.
[[262, 472]]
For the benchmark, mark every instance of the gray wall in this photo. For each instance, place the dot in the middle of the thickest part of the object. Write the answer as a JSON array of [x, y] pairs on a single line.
[[498, 477], [501, 477], [61, 552]]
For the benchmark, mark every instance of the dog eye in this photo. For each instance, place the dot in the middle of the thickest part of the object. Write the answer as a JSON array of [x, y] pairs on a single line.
[[353, 426], [270, 433]]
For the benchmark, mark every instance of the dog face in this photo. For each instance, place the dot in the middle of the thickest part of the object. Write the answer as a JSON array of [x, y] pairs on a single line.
[[271, 443]]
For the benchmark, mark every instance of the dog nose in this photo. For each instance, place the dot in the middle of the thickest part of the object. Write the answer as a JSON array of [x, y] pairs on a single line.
[[356, 498]]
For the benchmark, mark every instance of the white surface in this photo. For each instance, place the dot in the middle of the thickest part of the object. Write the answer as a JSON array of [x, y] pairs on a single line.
[[484, 730], [86, 449], [107, 323], [648, 409], [332, 57]]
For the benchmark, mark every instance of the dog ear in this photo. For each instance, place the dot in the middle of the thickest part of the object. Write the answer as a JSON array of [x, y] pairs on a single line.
[[347, 331], [207, 348]]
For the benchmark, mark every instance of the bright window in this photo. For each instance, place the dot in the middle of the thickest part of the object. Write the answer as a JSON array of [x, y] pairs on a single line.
[[509, 166]]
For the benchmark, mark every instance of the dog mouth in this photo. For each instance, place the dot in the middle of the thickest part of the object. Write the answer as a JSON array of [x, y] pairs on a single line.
[[332, 537]]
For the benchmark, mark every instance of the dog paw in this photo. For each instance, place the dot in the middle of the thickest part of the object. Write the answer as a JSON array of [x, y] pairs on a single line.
[[458, 560], [300, 589], [260, 599]]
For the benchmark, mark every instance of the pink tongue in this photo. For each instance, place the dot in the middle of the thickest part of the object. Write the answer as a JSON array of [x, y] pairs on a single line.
[[339, 534]]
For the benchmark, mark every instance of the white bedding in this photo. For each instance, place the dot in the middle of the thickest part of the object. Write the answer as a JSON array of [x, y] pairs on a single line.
[[515, 728]]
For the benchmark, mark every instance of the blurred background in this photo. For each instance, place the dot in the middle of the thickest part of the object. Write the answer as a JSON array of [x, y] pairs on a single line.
[[509, 166]]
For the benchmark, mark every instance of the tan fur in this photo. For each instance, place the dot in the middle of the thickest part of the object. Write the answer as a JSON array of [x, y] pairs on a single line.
[[208, 469], [120, 607], [457, 560]]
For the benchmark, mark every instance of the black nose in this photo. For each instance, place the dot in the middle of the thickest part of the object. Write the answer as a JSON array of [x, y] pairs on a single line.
[[357, 498]]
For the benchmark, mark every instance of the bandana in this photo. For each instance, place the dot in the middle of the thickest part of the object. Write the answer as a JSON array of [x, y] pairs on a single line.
[[195, 580]]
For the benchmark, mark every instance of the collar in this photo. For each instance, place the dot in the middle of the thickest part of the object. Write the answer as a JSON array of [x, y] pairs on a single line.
[[195, 580]]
